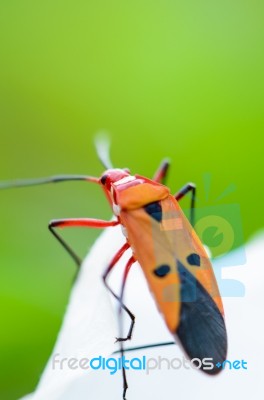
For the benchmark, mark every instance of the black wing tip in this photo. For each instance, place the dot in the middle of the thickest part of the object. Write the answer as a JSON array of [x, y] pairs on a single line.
[[205, 361], [201, 331]]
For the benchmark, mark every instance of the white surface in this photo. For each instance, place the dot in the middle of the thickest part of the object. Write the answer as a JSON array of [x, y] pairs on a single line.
[[89, 329]]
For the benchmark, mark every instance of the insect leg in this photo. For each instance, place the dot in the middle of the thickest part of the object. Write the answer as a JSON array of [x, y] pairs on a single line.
[[77, 222], [119, 298], [189, 187], [146, 346], [122, 305], [129, 264], [161, 173]]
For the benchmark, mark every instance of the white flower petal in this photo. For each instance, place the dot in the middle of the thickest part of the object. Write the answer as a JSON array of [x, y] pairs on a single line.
[[89, 325], [244, 319]]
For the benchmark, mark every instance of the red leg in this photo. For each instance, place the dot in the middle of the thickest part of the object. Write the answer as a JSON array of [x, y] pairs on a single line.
[[129, 264], [77, 222], [122, 305], [80, 222], [120, 298], [189, 187], [161, 173], [115, 260]]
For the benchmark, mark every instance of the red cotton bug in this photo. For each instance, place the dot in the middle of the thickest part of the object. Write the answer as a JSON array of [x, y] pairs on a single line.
[[172, 257]]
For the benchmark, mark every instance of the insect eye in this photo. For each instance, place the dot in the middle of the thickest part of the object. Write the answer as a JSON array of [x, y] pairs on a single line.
[[194, 259], [103, 179], [154, 210]]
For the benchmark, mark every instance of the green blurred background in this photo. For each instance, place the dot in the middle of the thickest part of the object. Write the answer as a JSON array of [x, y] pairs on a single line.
[[182, 79]]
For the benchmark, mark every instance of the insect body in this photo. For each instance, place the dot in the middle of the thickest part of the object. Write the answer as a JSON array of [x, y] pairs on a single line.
[[176, 266], [172, 257]]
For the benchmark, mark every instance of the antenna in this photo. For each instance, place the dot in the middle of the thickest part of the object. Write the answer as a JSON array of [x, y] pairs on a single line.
[[49, 179], [102, 145]]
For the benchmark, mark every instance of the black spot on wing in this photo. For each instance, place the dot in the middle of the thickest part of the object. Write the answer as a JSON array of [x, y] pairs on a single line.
[[201, 329], [154, 210], [194, 259], [162, 270]]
